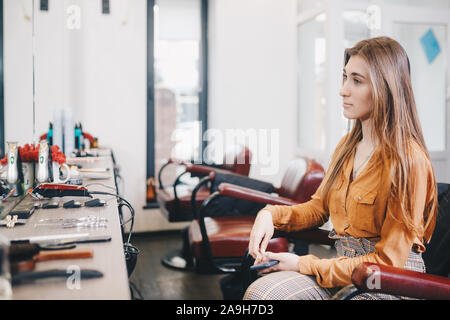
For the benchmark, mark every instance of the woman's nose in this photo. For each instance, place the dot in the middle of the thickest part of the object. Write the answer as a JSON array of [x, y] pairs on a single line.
[[344, 91]]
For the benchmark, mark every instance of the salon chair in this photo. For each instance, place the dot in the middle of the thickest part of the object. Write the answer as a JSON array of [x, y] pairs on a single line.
[[372, 277], [219, 237], [175, 199], [432, 285]]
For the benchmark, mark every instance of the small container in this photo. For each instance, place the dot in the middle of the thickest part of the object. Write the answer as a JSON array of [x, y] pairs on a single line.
[[57, 170], [77, 137], [50, 134], [82, 143]]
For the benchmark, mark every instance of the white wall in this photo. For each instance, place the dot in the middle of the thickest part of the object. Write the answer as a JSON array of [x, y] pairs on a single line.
[[252, 72], [99, 71], [18, 84]]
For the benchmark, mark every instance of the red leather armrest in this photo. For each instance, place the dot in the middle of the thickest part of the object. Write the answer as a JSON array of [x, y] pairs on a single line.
[[373, 277], [313, 235], [234, 191], [178, 161], [205, 170]]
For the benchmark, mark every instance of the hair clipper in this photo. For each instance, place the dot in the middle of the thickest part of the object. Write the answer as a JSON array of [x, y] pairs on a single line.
[[51, 190], [42, 169], [13, 172]]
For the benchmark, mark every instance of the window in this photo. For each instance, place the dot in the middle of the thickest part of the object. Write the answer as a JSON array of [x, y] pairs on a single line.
[[323, 32], [311, 83], [177, 79]]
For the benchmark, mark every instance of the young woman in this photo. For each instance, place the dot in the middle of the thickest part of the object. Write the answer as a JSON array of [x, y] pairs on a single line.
[[379, 190]]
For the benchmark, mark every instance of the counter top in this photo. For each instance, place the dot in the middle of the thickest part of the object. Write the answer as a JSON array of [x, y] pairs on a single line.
[[108, 257]]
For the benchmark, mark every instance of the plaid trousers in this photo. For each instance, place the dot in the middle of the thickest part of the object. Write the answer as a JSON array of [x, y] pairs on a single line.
[[290, 285]]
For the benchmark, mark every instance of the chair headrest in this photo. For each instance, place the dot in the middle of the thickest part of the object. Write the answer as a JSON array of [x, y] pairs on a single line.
[[302, 178], [237, 160]]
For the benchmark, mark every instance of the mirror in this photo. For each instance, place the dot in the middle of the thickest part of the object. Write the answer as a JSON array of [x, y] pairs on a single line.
[[40, 51], [56, 70]]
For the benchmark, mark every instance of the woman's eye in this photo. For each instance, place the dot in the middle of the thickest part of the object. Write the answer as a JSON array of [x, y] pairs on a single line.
[[357, 81], [344, 76]]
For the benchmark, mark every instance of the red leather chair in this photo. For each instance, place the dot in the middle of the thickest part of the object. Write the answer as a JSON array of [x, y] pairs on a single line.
[[372, 277], [175, 199], [182, 258], [219, 243], [435, 284]]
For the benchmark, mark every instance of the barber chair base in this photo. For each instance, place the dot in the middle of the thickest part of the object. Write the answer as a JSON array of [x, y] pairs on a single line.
[[203, 266], [180, 259], [180, 209], [175, 259]]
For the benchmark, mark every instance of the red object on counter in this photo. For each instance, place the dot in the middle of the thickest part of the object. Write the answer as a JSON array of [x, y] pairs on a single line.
[[89, 137], [30, 153]]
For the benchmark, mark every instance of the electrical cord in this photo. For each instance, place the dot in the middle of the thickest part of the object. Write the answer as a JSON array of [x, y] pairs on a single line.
[[100, 184], [125, 203], [121, 184], [130, 251], [111, 198], [121, 217], [107, 187], [134, 289]]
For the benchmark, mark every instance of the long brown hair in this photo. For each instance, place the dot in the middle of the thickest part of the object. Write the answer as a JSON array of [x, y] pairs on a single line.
[[395, 125]]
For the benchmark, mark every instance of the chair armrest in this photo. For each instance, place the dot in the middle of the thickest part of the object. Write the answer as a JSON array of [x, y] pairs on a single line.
[[317, 235], [234, 191], [178, 161], [169, 162], [373, 277], [204, 170]]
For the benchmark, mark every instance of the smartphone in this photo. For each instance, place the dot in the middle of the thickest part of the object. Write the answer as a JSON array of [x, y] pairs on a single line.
[[265, 265]]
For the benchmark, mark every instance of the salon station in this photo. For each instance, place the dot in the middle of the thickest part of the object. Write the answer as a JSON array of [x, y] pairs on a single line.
[[140, 139]]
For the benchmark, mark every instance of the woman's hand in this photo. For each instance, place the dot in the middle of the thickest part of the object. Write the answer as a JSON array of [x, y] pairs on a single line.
[[288, 262], [262, 232]]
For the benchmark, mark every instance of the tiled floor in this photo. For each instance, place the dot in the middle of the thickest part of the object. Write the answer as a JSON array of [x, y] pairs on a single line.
[[153, 281]]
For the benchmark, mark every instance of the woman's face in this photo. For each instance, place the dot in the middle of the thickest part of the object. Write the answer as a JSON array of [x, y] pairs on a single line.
[[356, 90]]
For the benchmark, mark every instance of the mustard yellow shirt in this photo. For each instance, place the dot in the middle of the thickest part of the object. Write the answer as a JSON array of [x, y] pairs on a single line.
[[361, 208]]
